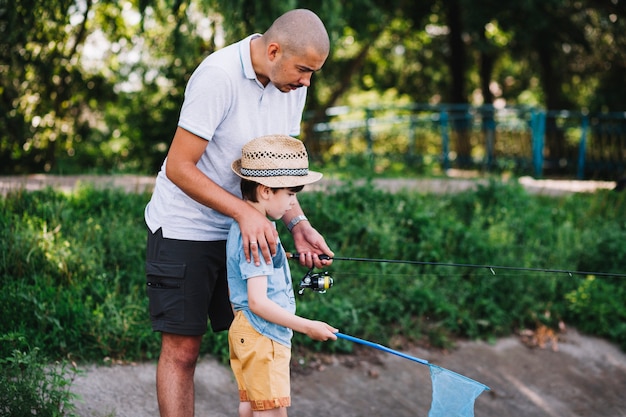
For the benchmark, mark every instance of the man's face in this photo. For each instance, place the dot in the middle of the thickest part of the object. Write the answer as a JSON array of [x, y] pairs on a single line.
[[292, 71]]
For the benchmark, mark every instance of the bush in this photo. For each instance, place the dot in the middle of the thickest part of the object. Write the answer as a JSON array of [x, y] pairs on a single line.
[[29, 385], [72, 273], [72, 270], [497, 224]]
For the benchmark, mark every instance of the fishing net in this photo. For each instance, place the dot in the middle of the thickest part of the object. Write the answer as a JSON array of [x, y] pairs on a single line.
[[453, 394]]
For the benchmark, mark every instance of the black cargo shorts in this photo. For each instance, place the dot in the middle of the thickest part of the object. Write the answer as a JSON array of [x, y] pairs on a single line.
[[186, 284]]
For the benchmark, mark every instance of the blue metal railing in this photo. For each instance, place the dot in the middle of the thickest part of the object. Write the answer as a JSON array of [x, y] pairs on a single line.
[[531, 140], [538, 127]]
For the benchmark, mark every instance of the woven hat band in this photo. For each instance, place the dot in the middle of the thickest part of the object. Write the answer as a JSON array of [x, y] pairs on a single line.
[[276, 161], [278, 172]]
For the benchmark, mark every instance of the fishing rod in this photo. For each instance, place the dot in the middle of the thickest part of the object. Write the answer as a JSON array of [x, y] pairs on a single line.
[[321, 282]]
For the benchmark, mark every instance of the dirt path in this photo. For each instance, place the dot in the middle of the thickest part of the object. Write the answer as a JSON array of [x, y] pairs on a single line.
[[585, 377], [456, 182]]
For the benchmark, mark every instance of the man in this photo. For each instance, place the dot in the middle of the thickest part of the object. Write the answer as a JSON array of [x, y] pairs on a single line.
[[248, 89]]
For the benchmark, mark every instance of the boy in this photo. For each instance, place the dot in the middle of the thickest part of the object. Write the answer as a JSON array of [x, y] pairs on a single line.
[[272, 170]]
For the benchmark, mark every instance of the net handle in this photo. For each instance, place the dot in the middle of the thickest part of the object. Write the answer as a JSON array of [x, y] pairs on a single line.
[[380, 347]]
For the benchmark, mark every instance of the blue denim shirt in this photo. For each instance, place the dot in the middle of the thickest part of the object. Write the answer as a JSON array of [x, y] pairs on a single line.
[[279, 286]]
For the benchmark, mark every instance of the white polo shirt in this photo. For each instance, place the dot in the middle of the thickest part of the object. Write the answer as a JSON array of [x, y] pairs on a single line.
[[226, 105]]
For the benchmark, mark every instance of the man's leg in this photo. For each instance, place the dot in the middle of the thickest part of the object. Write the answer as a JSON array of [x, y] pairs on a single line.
[[175, 372], [181, 277]]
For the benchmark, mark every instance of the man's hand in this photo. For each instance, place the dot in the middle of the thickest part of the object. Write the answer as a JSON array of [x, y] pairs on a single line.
[[257, 234], [309, 245]]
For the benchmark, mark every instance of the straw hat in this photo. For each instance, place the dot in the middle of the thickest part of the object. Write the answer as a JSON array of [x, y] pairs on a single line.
[[276, 161]]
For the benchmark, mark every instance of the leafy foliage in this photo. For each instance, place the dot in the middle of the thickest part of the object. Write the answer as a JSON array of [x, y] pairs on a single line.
[[29, 385], [72, 271], [97, 85]]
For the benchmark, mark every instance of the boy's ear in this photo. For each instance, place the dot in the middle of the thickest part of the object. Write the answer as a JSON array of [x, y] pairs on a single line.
[[263, 191]]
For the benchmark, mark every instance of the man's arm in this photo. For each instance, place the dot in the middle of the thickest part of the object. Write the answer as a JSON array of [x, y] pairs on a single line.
[[185, 152]]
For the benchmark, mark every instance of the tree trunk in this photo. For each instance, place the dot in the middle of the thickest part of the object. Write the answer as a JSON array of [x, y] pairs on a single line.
[[487, 62], [555, 153], [458, 63]]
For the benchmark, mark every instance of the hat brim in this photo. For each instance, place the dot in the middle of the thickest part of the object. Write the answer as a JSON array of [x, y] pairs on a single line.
[[283, 181]]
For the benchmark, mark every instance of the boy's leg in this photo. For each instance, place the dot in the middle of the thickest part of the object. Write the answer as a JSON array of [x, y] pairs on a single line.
[[261, 368], [275, 412], [245, 410]]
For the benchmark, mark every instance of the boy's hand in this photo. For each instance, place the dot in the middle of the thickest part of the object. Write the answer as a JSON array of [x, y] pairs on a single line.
[[318, 330]]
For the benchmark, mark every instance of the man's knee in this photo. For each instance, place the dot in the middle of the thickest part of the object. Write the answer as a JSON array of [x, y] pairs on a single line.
[[183, 350]]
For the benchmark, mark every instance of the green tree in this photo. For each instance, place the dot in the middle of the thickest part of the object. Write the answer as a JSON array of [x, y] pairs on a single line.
[[45, 95], [98, 84]]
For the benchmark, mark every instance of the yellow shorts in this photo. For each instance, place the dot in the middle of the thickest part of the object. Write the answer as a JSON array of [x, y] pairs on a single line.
[[260, 365]]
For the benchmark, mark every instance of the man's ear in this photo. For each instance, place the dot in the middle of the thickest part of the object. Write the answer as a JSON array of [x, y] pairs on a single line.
[[273, 51]]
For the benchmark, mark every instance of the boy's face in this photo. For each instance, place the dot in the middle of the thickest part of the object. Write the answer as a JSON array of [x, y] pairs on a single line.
[[279, 202]]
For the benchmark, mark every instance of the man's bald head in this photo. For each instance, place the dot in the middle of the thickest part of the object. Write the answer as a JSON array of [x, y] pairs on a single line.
[[297, 30]]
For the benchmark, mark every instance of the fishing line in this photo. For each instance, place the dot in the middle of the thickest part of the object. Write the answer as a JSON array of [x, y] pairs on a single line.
[[491, 268]]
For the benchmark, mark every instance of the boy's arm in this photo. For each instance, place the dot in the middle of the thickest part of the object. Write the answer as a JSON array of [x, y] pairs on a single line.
[[270, 311]]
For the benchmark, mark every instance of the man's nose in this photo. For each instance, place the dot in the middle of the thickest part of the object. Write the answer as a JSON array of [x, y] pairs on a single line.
[[305, 80]]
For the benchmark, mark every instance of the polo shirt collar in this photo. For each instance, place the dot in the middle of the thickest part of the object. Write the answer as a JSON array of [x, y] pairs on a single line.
[[246, 59]]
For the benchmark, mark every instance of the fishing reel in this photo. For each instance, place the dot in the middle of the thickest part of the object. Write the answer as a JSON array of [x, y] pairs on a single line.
[[317, 282]]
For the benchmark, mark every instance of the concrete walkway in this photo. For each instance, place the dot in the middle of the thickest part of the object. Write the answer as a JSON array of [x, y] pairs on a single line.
[[585, 376]]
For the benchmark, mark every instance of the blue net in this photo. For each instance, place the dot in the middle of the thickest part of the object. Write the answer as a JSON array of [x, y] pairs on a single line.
[[453, 394]]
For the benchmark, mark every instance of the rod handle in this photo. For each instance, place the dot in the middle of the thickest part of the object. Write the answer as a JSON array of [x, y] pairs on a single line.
[[291, 255]]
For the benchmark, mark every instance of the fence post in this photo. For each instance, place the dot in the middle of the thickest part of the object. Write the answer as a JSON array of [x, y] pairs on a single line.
[[582, 148], [538, 127], [412, 128], [489, 128], [369, 115], [445, 139]]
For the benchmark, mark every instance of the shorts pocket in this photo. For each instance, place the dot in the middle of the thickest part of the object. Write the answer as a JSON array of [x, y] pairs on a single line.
[[243, 338], [166, 290]]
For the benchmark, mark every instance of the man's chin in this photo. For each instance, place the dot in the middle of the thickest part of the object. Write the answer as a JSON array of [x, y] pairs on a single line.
[[288, 88]]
